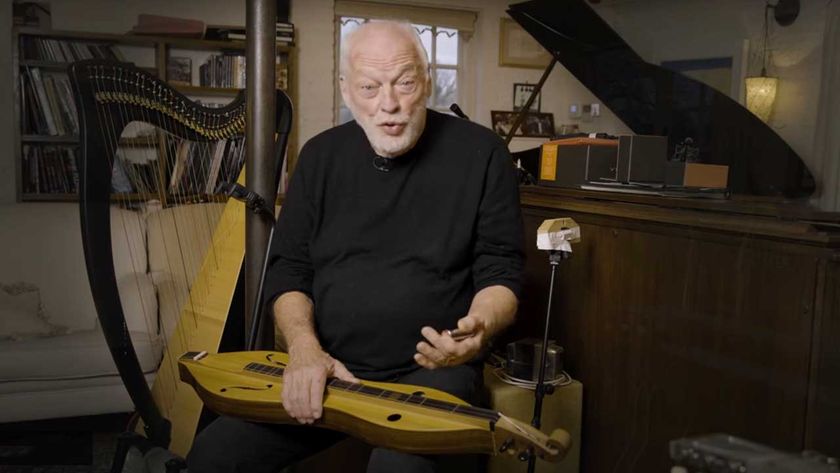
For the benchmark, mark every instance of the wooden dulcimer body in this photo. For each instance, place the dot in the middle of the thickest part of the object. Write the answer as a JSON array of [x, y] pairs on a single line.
[[414, 419]]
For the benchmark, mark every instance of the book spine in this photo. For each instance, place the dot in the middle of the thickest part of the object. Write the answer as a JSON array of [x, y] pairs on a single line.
[[43, 101]]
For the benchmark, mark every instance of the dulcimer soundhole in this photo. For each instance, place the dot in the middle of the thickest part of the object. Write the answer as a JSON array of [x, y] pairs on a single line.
[[394, 417]]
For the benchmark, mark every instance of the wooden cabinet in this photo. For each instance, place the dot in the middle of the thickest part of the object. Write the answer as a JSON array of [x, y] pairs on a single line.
[[683, 317]]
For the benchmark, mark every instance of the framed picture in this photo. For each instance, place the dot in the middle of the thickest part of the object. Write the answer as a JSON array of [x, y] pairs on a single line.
[[517, 48], [534, 125], [521, 93], [179, 70]]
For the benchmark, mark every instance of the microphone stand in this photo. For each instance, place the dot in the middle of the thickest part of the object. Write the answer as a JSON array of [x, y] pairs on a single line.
[[541, 389]]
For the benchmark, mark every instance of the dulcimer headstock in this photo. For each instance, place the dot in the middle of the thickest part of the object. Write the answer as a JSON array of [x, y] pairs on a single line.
[[522, 440]]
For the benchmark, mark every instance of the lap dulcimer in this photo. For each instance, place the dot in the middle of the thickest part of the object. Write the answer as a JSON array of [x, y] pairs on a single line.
[[403, 417]]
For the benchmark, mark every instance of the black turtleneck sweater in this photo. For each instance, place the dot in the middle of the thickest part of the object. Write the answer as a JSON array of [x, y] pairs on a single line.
[[382, 254]]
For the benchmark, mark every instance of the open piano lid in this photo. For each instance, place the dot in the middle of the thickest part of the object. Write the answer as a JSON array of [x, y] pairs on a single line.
[[652, 100]]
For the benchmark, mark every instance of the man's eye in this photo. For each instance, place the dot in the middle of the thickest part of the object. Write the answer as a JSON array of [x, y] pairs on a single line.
[[368, 87]]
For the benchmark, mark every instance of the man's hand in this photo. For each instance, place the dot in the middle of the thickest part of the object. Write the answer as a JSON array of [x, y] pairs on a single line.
[[441, 350], [304, 380]]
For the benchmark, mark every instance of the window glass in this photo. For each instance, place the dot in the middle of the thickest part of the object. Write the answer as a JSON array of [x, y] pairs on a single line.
[[425, 33], [446, 88], [446, 49]]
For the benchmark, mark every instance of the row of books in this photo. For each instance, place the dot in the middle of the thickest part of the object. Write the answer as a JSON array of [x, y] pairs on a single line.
[[285, 33], [60, 50], [200, 166], [197, 168], [221, 70], [49, 170], [47, 106]]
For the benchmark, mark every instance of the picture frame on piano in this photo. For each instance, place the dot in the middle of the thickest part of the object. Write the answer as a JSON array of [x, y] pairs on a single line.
[[535, 125], [517, 48]]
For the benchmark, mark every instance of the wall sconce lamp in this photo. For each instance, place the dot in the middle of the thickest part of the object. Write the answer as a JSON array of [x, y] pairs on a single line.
[[761, 90]]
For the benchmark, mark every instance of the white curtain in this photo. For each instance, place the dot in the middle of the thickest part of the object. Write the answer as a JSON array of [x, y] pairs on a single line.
[[827, 144]]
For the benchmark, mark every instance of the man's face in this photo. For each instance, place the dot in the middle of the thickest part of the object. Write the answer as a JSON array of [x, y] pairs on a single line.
[[386, 90]]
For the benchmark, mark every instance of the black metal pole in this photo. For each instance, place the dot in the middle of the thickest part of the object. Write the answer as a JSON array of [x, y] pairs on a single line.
[[554, 258], [261, 16]]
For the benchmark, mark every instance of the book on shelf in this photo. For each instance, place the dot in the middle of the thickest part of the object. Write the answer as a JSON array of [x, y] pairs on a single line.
[[200, 166], [286, 31], [42, 102], [215, 166], [37, 48], [49, 170], [181, 156], [282, 39], [47, 105], [223, 70]]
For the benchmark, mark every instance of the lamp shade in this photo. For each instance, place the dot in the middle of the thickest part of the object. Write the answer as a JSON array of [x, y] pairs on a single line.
[[761, 93]]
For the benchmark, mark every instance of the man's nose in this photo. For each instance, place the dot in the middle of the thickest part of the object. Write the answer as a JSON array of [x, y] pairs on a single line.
[[389, 102]]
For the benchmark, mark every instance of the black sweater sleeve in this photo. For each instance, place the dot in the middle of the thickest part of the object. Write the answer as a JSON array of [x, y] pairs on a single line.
[[498, 253], [290, 265]]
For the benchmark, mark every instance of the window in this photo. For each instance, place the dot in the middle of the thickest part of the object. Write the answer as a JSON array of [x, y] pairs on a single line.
[[442, 32]]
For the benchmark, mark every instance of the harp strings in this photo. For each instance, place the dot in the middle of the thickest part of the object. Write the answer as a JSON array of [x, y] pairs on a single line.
[[147, 154]]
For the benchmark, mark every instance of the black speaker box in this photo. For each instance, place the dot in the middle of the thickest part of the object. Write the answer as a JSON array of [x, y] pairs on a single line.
[[642, 158]]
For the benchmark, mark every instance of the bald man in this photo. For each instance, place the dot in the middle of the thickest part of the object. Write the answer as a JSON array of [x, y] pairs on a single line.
[[397, 227]]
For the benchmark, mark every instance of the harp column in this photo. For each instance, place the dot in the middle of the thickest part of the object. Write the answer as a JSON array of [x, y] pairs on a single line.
[[261, 16]]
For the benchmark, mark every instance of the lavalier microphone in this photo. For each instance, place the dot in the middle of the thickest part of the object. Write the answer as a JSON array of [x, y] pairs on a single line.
[[383, 164]]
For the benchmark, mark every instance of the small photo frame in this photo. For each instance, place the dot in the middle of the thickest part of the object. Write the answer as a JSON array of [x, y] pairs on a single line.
[[539, 125], [179, 70], [517, 48], [521, 93]]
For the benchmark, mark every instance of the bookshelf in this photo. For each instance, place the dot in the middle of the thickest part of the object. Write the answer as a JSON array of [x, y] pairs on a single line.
[[40, 59]]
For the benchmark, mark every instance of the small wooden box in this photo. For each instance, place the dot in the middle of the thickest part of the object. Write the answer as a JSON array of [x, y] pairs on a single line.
[[709, 176]]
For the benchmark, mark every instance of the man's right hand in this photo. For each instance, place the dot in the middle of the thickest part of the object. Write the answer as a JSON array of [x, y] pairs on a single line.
[[305, 378]]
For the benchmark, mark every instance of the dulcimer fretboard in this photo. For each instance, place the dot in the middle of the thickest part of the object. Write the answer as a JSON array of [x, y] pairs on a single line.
[[387, 395]]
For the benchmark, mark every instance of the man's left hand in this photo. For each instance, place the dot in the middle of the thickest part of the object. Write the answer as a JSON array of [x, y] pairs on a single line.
[[440, 349]]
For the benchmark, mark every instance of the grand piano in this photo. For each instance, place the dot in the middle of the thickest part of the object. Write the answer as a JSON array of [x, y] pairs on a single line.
[[652, 100], [686, 316]]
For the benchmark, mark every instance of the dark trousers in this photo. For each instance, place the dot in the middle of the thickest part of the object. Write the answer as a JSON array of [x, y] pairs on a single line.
[[231, 445]]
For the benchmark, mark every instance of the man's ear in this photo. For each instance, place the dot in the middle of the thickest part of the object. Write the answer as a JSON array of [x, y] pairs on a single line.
[[342, 86]]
